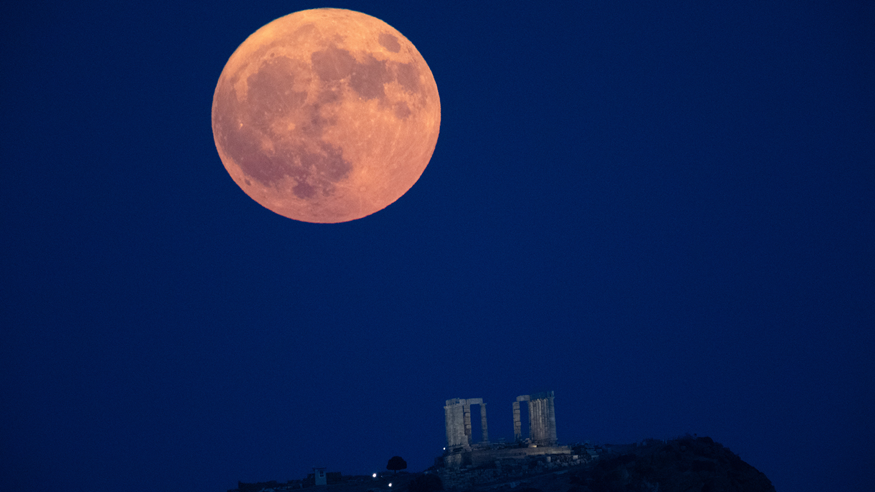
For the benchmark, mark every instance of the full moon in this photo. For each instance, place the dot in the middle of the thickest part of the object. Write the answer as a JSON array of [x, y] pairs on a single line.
[[326, 115]]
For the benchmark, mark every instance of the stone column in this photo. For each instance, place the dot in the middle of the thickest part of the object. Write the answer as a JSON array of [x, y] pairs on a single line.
[[467, 411], [542, 419], [455, 422], [551, 420], [483, 422], [460, 425], [535, 423], [448, 423], [517, 425]]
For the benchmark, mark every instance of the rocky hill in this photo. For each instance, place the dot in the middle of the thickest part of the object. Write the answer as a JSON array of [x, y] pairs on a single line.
[[686, 464]]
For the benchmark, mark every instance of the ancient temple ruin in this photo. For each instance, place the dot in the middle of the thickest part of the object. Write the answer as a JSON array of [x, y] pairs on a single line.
[[463, 450], [457, 413], [542, 418]]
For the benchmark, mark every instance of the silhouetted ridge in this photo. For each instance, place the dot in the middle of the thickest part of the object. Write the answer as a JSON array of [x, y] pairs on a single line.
[[684, 464]]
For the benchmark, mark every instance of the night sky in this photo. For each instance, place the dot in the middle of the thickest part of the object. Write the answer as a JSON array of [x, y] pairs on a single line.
[[662, 211]]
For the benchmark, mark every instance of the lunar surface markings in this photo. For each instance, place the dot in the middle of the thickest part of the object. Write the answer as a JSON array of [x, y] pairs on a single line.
[[389, 42], [408, 76], [402, 110], [368, 78], [333, 64], [263, 96]]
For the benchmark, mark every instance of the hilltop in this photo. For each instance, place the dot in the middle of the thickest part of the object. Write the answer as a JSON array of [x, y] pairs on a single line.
[[686, 464]]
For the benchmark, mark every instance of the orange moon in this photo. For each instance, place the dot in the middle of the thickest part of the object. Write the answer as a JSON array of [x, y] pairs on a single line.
[[326, 115]]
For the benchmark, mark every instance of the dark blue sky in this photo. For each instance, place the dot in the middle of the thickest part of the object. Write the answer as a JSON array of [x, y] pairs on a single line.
[[662, 211]]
